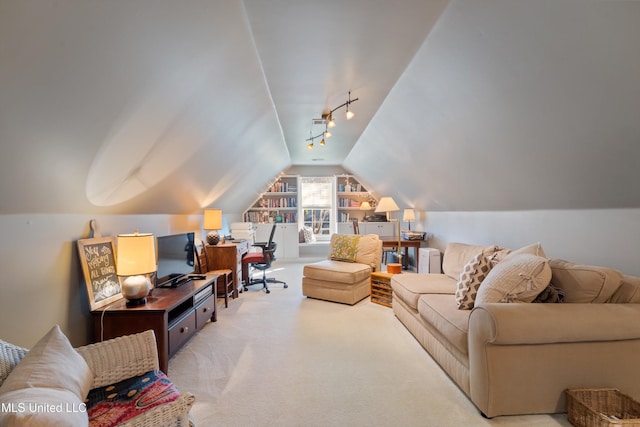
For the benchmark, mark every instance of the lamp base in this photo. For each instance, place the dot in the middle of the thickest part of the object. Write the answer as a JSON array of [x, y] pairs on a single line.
[[136, 302], [213, 238]]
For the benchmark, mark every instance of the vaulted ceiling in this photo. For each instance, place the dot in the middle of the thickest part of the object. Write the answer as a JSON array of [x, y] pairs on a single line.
[[156, 106]]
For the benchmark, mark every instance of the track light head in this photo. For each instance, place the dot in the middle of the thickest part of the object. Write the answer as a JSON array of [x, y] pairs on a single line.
[[330, 122], [310, 145], [349, 114]]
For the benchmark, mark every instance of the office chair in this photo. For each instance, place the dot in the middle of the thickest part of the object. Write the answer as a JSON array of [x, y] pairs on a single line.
[[262, 261]]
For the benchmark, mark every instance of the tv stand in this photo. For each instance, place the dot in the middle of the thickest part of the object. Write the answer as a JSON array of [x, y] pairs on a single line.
[[174, 314]]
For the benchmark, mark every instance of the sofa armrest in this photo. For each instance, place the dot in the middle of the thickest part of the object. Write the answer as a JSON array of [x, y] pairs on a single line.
[[523, 356], [514, 323], [117, 359]]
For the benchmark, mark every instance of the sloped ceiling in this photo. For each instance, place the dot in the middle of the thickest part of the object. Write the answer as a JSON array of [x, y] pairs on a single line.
[[168, 107]]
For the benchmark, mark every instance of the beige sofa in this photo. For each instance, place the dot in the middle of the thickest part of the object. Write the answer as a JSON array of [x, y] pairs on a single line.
[[516, 357], [345, 276]]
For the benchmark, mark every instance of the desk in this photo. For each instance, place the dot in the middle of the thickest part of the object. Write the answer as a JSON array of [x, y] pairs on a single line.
[[228, 256], [392, 241]]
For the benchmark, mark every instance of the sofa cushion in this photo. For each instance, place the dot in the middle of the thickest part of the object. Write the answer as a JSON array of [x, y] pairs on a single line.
[[115, 404], [471, 278], [440, 311], [344, 247], [369, 251], [53, 353], [456, 256], [518, 278], [628, 292], [410, 286], [533, 249], [10, 355], [584, 283], [43, 407], [337, 271]]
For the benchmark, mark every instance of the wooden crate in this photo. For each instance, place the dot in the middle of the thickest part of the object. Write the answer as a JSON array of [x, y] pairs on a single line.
[[381, 288]]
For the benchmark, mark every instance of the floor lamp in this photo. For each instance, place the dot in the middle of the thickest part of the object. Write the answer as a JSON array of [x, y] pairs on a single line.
[[388, 205]]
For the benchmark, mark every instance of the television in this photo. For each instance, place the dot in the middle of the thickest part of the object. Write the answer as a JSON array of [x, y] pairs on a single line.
[[175, 259]]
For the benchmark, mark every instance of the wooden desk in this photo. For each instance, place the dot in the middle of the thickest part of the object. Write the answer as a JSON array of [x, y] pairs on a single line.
[[174, 314], [228, 256], [392, 241]]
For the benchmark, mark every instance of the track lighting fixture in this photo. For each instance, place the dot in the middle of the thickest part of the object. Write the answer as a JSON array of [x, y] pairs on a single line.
[[329, 122]]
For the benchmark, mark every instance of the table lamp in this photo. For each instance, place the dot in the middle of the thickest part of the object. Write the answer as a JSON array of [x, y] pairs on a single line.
[[387, 204], [136, 259], [409, 215], [212, 222]]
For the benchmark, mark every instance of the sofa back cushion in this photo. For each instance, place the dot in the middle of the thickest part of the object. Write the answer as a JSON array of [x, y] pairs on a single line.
[[456, 256], [584, 283], [628, 292], [369, 251]]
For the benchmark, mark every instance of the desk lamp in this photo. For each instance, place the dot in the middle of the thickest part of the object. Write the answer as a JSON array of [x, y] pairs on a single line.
[[387, 204], [409, 215], [136, 259], [213, 222]]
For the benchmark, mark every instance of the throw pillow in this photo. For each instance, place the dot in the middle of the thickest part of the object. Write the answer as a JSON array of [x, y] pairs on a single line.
[[10, 355], [43, 407], [308, 234], [473, 273], [52, 363], [518, 278], [344, 247]]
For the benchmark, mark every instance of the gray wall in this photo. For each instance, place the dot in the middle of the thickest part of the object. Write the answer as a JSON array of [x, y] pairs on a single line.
[[606, 237]]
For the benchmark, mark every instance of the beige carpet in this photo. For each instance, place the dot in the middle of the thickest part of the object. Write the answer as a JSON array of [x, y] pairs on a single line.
[[281, 359]]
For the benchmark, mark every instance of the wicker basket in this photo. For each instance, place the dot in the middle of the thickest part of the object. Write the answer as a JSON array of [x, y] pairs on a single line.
[[602, 407]]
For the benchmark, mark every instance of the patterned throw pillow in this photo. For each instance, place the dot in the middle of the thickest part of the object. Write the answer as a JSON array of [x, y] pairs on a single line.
[[344, 247], [470, 280], [308, 234]]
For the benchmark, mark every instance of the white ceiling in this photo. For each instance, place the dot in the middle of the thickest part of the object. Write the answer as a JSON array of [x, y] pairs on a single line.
[[156, 106]]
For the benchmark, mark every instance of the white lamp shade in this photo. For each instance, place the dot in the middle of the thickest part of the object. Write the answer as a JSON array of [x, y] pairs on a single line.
[[136, 254], [409, 215], [212, 219], [387, 204], [365, 206]]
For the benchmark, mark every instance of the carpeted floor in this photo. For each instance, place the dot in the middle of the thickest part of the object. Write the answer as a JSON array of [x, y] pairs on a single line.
[[281, 359]]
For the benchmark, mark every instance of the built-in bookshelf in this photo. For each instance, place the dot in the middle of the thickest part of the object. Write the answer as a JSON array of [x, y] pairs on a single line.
[[350, 194], [278, 204]]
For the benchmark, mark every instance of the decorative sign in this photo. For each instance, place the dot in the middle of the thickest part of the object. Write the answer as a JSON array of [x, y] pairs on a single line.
[[98, 259]]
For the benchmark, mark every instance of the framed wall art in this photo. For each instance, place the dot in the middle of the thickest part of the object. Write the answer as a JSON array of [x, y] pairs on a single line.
[[98, 259]]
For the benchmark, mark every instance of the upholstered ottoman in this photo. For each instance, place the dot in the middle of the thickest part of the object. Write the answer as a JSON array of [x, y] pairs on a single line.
[[345, 276]]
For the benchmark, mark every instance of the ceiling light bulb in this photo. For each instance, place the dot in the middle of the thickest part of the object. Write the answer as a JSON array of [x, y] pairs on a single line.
[[349, 114], [331, 122], [327, 134], [310, 145], [322, 142]]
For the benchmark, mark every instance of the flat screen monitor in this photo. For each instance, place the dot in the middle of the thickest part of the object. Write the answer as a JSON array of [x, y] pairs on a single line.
[[175, 258]]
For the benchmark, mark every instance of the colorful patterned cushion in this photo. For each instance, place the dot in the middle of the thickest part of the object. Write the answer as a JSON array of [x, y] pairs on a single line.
[[114, 404], [344, 247], [470, 280]]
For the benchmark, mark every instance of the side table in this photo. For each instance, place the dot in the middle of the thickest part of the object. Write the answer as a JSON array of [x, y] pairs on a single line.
[[381, 288]]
